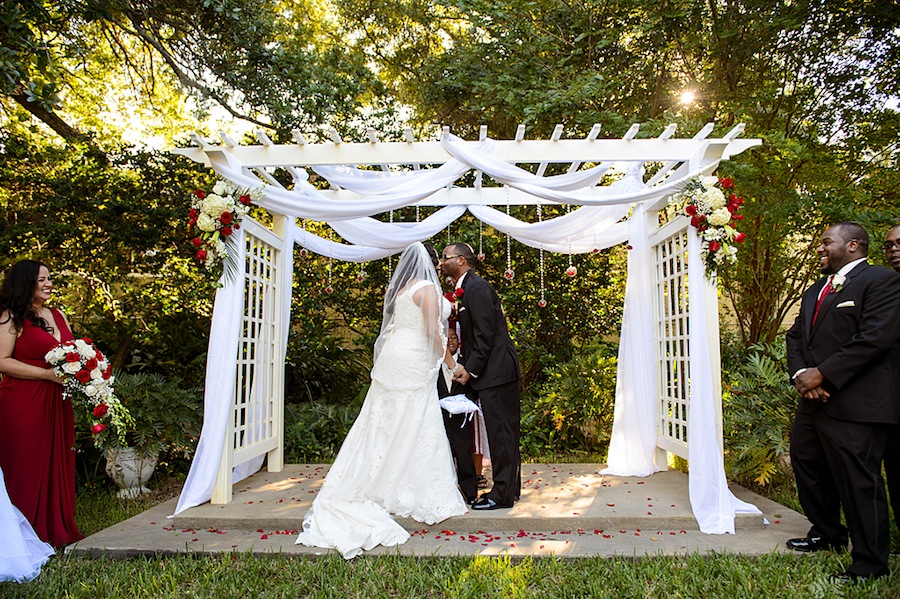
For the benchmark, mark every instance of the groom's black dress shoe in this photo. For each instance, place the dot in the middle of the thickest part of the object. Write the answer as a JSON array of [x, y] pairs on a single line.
[[486, 503], [812, 544]]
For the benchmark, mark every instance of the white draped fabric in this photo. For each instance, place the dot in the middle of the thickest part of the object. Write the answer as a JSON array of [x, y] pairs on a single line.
[[713, 503], [633, 440], [598, 224]]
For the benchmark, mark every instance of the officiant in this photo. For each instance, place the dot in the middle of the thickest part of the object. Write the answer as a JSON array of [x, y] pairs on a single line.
[[459, 432]]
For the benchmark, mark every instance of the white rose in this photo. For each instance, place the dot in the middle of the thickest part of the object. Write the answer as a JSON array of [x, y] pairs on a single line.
[[97, 374], [220, 188], [719, 217], [206, 223], [71, 367], [709, 181], [90, 390]]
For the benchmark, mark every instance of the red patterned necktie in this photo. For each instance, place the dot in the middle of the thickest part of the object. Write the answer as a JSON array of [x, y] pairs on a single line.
[[825, 291]]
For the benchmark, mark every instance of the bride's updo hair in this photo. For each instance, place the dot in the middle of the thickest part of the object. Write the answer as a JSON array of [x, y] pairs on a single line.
[[432, 253]]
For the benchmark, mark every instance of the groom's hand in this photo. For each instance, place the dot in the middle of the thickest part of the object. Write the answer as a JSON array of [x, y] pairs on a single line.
[[461, 375]]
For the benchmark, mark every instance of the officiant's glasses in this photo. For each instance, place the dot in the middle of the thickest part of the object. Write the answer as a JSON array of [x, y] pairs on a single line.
[[445, 258], [889, 245]]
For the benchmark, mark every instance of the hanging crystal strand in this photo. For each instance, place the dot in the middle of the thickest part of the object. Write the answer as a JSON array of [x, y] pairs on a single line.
[[362, 274], [417, 213], [391, 257], [303, 251], [328, 288], [480, 241], [571, 271], [510, 274], [543, 301]]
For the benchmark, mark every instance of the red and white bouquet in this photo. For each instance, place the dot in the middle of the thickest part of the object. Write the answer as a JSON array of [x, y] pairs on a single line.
[[713, 208], [88, 380], [213, 219]]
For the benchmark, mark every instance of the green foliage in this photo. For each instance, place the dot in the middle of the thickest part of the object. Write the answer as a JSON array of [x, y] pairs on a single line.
[[113, 236], [573, 410], [314, 432], [758, 409], [167, 418]]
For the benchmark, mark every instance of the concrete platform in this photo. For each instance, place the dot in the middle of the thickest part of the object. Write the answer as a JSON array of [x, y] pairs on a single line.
[[565, 510]]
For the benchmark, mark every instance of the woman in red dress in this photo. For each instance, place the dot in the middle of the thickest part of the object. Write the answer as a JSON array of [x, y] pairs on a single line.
[[37, 431]]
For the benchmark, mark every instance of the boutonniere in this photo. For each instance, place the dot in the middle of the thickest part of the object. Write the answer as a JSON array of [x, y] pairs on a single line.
[[837, 282], [458, 292]]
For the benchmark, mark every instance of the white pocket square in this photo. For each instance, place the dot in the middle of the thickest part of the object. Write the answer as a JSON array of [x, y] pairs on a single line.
[[847, 304], [461, 308]]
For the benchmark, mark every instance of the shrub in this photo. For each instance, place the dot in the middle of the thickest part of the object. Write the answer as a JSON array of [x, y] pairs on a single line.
[[758, 407], [573, 410], [313, 432]]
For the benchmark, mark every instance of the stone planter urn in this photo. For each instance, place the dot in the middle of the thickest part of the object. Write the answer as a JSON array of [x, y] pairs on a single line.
[[130, 470]]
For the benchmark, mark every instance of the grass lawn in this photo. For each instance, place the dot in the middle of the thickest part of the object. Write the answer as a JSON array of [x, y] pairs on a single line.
[[245, 575]]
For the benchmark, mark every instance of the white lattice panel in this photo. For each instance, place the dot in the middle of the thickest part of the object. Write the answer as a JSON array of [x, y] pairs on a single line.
[[672, 340], [254, 429]]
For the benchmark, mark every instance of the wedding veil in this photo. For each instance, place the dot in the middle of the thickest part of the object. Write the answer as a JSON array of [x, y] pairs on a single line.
[[416, 270]]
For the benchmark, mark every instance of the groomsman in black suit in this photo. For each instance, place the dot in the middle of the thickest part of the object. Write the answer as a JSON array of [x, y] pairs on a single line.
[[891, 249], [842, 356], [490, 365]]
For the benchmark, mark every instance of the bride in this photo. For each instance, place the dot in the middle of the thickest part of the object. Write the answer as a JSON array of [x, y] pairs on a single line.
[[396, 457]]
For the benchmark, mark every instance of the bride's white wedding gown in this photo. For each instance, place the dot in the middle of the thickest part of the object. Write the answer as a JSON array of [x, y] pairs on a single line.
[[396, 457]]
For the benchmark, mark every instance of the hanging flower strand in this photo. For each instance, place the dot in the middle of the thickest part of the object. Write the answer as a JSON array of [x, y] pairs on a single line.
[[715, 217]]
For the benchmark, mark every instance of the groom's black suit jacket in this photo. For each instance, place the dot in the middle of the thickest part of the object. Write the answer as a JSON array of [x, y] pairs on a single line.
[[488, 352], [854, 344]]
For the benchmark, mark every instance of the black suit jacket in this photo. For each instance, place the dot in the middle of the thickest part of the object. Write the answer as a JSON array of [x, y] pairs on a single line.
[[487, 351], [854, 344]]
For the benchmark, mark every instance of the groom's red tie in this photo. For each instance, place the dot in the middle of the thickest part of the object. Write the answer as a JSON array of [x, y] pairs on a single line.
[[825, 291]]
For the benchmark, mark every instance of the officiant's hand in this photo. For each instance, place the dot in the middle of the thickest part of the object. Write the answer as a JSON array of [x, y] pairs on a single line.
[[461, 375]]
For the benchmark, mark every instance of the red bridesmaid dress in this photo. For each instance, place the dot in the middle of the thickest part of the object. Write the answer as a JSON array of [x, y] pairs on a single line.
[[37, 441]]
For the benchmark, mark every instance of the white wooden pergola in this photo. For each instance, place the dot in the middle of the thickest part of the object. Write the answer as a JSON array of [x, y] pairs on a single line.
[[247, 393]]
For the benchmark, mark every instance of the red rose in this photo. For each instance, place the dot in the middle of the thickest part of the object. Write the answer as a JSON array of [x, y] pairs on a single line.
[[101, 410], [245, 200], [726, 183], [225, 231], [91, 364], [83, 376], [192, 213], [449, 296], [200, 193], [740, 237], [459, 292], [99, 354], [201, 255], [191, 222], [226, 218], [197, 241], [73, 357], [713, 247], [236, 226], [107, 373], [97, 428], [88, 340], [691, 210], [695, 221], [737, 216]]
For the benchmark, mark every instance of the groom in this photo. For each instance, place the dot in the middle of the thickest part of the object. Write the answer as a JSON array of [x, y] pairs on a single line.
[[489, 365]]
